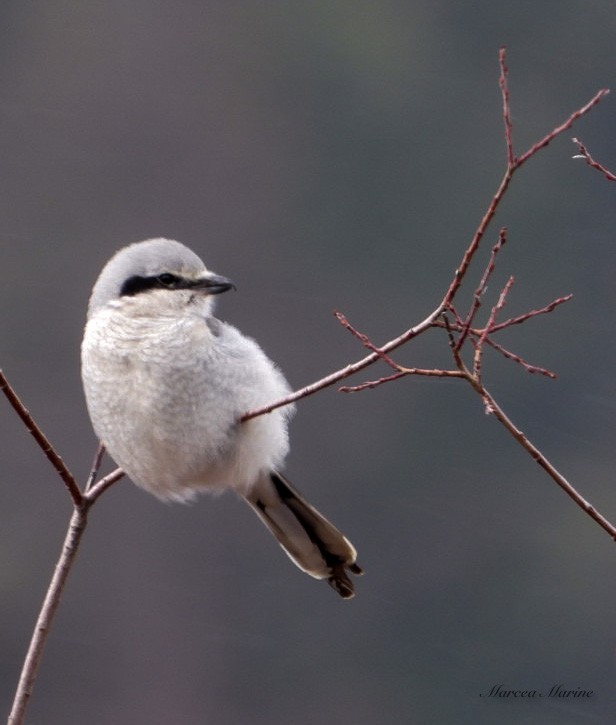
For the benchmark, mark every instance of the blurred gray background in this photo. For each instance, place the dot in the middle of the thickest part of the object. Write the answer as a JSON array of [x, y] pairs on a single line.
[[324, 155]]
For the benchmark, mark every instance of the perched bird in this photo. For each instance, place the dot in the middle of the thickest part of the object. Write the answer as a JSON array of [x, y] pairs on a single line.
[[166, 384]]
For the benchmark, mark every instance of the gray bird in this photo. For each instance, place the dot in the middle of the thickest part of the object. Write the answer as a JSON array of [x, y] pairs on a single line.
[[166, 384]]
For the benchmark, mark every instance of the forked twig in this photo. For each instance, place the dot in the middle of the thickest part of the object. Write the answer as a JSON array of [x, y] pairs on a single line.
[[81, 505], [488, 328], [478, 337], [482, 287], [585, 154]]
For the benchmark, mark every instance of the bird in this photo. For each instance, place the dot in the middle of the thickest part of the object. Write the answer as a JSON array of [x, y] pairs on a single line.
[[166, 385]]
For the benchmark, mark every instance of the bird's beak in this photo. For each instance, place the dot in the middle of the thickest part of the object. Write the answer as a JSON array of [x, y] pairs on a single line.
[[213, 284]]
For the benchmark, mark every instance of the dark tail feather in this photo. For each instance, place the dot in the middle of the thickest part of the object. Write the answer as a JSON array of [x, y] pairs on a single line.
[[310, 540]]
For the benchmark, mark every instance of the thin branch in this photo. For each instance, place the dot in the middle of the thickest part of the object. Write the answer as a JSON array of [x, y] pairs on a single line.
[[75, 531], [539, 458], [101, 486], [532, 313], [457, 357], [459, 324], [41, 439], [365, 341], [585, 154], [50, 604], [488, 328], [346, 371], [482, 287], [96, 464], [401, 371], [502, 82], [433, 373], [477, 237], [516, 358], [370, 384], [459, 273], [565, 126], [512, 165]]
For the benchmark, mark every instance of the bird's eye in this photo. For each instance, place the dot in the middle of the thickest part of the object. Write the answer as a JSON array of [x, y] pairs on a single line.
[[166, 279]]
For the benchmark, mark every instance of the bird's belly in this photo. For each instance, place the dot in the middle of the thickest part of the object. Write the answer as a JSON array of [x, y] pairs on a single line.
[[169, 443]]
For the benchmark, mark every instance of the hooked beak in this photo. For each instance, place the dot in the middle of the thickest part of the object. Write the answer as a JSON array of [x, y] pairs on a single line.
[[213, 284]]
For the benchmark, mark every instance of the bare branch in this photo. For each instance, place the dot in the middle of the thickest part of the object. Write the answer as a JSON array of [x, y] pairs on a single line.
[[371, 383], [365, 341], [434, 373], [482, 287], [346, 371], [516, 358], [566, 125], [493, 407], [460, 325], [460, 272], [101, 486], [533, 313], [502, 82], [584, 154], [41, 439], [488, 328], [50, 604], [96, 464]]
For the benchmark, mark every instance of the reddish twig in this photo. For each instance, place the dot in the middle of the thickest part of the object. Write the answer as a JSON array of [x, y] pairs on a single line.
[[459, 322], [502, 82], [433, 373], [43, 443], [488, 328], [457, 358], [346, 371], [532, 313], [516, 358], [490, 267], [371, 383], [32, 661], [101, 486], [365, 341], [459, 325], [493, 407], [565, 126], [481, 288], [584, 154], [459, 273], [77, 525], [96, 464]]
